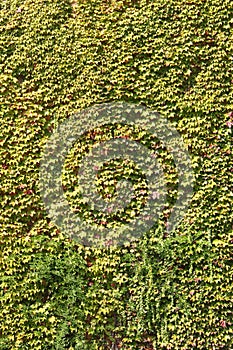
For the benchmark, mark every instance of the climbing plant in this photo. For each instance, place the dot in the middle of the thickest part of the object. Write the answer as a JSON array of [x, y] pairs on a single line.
[[162, 291]]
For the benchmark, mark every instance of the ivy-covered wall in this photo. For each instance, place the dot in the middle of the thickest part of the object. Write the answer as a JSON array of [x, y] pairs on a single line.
[[160, 292]]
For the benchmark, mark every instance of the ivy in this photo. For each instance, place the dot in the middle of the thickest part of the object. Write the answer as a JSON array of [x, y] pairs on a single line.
[[161, 291]]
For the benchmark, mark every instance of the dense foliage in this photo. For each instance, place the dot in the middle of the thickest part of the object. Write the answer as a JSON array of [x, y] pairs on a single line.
[[160, 292]]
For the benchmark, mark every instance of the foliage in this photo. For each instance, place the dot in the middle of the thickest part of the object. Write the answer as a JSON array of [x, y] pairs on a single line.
[[160, 292]]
